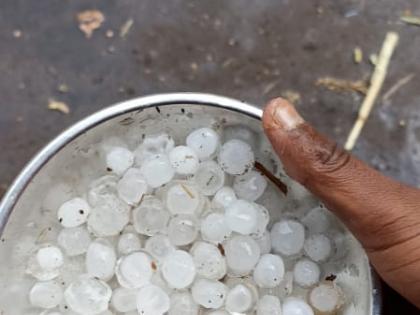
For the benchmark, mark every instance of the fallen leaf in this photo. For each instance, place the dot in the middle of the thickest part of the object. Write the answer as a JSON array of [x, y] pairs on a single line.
[[58, 106], [89, 21]]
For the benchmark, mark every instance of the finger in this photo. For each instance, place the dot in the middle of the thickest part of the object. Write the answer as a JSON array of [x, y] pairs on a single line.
[[382, 213]]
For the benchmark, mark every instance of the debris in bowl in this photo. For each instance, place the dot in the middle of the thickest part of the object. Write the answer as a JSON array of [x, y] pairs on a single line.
[[182, 229]]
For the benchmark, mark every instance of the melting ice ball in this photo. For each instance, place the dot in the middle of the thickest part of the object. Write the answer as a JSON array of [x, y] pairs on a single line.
[[306, 273], [75, 241], [101, 259], [239, 299], [119, 159], [152, 300], [178, 269], [204, 142], [214, 228], [184, 160], [287, 237], [73, 213], [157, 170], [209, 293], [88, 296], [236, 157], [269, 271], [250, 186], [208, 261], [132, 186], [318, 247], [182, 303], [241, 217], [242, 254], [209, 177], [46, 294], [269, 305], [134, 270], [296, 306]]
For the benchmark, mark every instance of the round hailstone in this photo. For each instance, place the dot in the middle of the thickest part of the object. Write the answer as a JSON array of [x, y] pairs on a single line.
[[242, 254], [75, 241], [236, 157], [119, 159], [101, 188], [263, 218], [204, 142], [183, 198], [152, 145], [101, 259], [306, 273], [128, 243], [150, 217], [159, 246], [317, 247], [209, 293], [157, 170], [269, 305], [182, 303], [124, 300], [184, 160], [239, 299], [178, 269], [209, 177], [326, 298], [250, 186], [296, 306], [183, 229], [132, 186], [223, 198], [214, 228], [152, 300], [46, 294], [45, 263], [73, 213], [208, 261], [264, 242], [88, 296], [269, 271], [134, 270], [50, 257], [109, 218], [287, 237], [241, 217], [316, 220]]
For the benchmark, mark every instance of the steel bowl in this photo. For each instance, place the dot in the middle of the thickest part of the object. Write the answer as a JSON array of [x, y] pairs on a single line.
[[67, 164]]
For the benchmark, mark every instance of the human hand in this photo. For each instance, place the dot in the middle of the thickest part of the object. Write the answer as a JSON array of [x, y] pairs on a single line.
[[382, 213]]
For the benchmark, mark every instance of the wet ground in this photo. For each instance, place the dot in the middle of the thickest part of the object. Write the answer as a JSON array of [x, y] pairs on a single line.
[[251, 50]]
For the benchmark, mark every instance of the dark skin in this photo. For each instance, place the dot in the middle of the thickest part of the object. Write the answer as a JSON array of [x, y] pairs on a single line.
[[382, 213]]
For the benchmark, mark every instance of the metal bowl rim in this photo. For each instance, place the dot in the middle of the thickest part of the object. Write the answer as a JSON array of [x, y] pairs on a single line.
[[44, 155]]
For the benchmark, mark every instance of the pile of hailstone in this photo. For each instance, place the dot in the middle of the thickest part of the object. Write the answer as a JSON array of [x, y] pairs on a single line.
[[163, 232]]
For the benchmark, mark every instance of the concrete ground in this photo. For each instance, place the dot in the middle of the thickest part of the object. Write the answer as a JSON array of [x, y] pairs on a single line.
[[251, 50]]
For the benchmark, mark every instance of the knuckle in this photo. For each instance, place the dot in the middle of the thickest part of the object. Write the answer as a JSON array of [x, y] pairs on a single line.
[[332, 158]]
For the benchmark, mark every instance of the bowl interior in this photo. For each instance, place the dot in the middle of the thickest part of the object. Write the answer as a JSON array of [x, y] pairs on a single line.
[[69, 172]]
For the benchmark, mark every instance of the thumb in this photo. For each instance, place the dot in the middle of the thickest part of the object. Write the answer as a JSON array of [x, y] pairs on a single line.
[[382, 213]]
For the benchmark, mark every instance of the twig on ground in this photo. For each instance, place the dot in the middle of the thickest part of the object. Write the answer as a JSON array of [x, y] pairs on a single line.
[[341, 85], [398, 85], [376, 82], [276, 181]]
